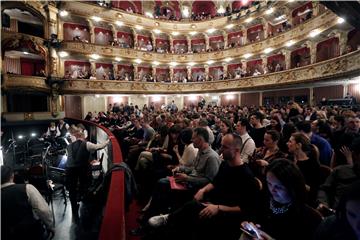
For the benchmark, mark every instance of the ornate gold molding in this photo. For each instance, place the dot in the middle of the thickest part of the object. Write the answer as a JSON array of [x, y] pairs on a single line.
[[14, 35], [86, 10], [340, 66], [27, 83], [299, 33]]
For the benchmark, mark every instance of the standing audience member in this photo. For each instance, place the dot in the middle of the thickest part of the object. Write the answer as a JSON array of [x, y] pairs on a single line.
[[258, 130], [23, 209], [77, 167]]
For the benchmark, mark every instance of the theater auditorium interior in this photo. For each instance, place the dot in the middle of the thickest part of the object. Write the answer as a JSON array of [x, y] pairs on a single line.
[[153, 119]]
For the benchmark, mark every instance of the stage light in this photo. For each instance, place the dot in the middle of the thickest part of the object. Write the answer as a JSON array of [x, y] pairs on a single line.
[[20, 137], [157, 31], [173, 64], [63, 54], [249, 20], [95, 56], [268, 50], [63, 13], [192, 33], [119, 23], [118, 59], [149, 14], [340, 20], [290, 43], [211, 30], [96, 18], [230, 26], [156, 63], [26, 53], [210, 62], [269, 11], [33, 134], [138, 61], [191, 64], [247, 55], [314, 33], [228, 59], [175, 33], [138, 27]]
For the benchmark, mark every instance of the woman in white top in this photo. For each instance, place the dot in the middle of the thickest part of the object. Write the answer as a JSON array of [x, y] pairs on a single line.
[[189, 154]]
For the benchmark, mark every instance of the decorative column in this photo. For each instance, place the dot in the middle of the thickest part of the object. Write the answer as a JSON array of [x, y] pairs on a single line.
[[287, 54], [113, 30], [225, 70], [154, 72], [153, 38], [188, 39], [92, 67], [189, 73], [172, 50], [312, 46], [53, 60], [311, 97], [207, 42], [206, 72], [171, 71], [343, 38], [136, 72], [260, 98], [135, 39], [225, 36], [115, 69], [265, 27], [244, 36], [264, 60], [316, 8], [244, 65], [92, 32]]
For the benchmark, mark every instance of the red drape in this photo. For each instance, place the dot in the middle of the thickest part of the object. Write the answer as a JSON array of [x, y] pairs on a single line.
[[181, 70], [125, 34], [77, 63], [104, 65], [195, 70], [73, 26], [327, 49], [234, 66], [197, 41], [279, 58], [216, 38], [300, 51], [144, 38], [238, 4], [180, 41], [208, 7], [30, 67], [136, 6], [127, 68], [256, 28], [234, 34]]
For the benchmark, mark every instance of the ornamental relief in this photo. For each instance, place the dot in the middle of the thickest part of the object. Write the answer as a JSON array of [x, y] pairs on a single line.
[[276, 42]]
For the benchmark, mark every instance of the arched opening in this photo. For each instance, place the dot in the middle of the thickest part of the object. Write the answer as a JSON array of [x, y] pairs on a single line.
[[204, 8], [22, 19], [24, 57]]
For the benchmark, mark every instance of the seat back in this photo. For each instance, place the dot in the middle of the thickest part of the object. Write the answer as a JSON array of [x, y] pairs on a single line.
[[325, 172]]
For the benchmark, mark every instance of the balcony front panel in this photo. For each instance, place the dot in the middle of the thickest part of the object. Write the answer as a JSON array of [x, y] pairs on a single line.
[[340, 66], [27, 83]]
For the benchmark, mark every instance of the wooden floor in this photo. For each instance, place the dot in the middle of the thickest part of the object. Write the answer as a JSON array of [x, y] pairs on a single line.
[[67, 228]]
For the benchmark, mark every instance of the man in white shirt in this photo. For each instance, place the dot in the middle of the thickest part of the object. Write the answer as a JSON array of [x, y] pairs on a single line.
[[23, 209], [248, 146]]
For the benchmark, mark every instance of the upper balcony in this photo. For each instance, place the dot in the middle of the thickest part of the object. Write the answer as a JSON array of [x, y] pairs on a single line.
[[345, 65]]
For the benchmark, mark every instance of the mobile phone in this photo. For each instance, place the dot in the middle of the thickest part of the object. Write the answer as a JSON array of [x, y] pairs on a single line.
[[251, 231]]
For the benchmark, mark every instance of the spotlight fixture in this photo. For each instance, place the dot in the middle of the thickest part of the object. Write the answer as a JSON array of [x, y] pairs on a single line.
[[210, 62], [314, 33], [119, 23], [118, 59], [94, 56], [63, 54], [289, 43], [340, 20], [96, 18], [247, 55], [63, 13], [211, 30], [268, 50], [138, 61]]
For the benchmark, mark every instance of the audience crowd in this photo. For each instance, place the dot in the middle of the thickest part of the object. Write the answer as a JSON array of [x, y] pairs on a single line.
[[204, 171]]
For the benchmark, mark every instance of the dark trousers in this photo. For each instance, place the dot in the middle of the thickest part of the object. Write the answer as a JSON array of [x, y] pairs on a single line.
[[76, 183]]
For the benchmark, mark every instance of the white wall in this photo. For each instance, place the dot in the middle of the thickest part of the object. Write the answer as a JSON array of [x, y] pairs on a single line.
[[139, 100], [93, 104]]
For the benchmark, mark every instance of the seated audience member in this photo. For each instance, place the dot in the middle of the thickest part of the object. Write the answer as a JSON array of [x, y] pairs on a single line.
[[304, 157], [288, 217], [345, 224], [23, 209], [263, 156], [341, 177], [189, 153], [274, 124], [248, 146], [206, 166], [322, 144], [220, 206], [204, 123], [287, 131], [225, 127]]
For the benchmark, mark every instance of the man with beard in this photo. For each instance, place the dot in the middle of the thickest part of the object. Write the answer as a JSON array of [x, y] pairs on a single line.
[[219, 207]]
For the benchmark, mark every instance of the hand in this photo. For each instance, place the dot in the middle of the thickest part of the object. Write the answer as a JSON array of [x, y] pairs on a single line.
[[180, 177], [199, 195], [262, 163], [51, 233], [347, 153], [175, 170], [176, 149], [209, 211]]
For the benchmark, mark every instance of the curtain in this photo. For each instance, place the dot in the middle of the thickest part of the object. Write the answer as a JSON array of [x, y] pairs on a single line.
[[12, 65]]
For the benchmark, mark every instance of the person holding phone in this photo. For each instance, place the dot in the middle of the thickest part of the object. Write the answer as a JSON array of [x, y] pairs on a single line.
[[287, 217]]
